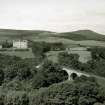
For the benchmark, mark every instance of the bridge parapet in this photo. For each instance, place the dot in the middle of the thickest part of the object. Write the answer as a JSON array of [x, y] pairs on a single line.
[[71, 71]]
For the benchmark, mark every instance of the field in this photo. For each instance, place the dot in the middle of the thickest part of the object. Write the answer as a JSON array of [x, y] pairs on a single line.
[[53, 55], [22, 54], [69, 42], [101, 82], [84, 56], [83, 37]]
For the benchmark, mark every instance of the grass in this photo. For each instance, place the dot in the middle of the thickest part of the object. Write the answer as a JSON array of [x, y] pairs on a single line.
[[22, 54], [84, 56], [53, 55], [71, 42], [83, 35], [100, 80]]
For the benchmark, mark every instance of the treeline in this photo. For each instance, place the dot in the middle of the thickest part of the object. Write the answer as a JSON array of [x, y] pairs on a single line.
[[39, 48], [7, 44]]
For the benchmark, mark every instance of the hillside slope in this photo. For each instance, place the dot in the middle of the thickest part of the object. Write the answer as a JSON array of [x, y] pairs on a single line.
[[9, 34], [6, 34], [83, 35]]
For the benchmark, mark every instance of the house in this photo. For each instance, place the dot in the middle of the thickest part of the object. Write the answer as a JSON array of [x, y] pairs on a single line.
[[20, 44]]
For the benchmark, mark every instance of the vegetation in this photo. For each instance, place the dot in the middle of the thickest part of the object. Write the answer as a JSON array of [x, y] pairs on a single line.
[[7, 44], [95, 66], [79, 93], [23, 53], [40, 48], [82, 91], [49, 73], [22, 83], [68, 60], [15, 68], [98, 53]]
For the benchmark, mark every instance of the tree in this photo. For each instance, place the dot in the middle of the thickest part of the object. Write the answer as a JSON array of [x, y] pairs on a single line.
[[83, 100], [98, 53], [70, 60], [7, 44], [49, 73], [10, 72], [67, 93], [16, 98], [1, 76]]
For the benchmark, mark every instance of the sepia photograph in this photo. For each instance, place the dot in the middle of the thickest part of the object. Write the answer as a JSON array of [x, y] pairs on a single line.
[[52, 52]]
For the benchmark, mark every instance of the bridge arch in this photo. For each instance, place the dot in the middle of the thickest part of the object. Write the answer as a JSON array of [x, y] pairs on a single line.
[[73, 73], [73, 76]]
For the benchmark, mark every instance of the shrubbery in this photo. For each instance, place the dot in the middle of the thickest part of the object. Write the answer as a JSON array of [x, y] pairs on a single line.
[[97, 53], [69, 60], [40, 48], [86, 92], [75, 93], [49, 73], [18, 69]]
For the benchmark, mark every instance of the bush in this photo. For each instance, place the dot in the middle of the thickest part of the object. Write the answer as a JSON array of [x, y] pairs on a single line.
[[16, 98], [10, 72], [81, 93], [69, 60], [49, 73], [98, 53]]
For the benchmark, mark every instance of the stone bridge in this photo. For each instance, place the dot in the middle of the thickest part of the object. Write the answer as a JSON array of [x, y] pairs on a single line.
[[72, 71]]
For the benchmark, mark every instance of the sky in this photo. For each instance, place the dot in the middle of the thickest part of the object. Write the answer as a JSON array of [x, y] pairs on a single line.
[[53, 15]]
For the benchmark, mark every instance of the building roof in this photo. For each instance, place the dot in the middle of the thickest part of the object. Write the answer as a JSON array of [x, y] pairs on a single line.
[[20, 40]]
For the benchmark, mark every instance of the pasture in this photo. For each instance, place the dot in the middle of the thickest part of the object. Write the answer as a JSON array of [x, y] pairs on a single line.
[[84, 56], [53, 55], [68, 41], [22, 54]]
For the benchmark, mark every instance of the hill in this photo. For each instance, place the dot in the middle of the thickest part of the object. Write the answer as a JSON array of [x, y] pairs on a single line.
[[12, 32], [6, 34], [9, 34], [83, 35]]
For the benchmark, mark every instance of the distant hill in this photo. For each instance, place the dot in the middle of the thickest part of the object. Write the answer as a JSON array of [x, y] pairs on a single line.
[[83, 35], [9, 34]]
